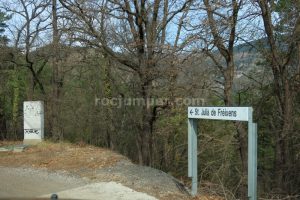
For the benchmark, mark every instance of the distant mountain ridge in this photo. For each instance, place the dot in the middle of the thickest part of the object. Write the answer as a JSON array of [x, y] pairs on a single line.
[[252, 46]]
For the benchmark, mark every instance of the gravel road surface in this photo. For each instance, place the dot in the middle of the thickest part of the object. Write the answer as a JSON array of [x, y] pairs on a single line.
[[31, 183]]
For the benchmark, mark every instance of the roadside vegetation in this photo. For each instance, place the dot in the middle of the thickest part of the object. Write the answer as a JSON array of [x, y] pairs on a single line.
[[120, 75]]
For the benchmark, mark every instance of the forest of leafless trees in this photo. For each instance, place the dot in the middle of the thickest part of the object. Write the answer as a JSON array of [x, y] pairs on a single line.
[[88, 60]]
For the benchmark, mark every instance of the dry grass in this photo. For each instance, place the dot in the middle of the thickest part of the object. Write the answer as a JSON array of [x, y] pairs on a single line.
[[60, 156], [206, 197]]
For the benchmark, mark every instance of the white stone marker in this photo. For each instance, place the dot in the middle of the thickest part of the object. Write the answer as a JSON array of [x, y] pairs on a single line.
[[33, 122]]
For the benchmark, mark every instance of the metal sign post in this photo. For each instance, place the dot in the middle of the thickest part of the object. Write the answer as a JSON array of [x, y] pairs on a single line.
[[192, 154], [223, 113], [252, 161]]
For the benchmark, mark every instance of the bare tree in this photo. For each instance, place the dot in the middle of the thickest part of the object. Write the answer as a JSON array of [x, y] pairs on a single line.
[[30, 21], [57, 75], [217, 31], [133, 33], [284, 63]]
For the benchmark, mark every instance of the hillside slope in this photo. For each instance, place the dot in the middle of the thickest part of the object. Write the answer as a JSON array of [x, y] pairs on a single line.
[[96, 165]]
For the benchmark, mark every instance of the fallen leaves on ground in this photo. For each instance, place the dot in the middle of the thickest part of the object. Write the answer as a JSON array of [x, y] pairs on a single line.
[[204, 197], [60, 156]]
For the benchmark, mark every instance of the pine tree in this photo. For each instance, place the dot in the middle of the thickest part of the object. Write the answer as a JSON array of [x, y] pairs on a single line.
[[3, 18]]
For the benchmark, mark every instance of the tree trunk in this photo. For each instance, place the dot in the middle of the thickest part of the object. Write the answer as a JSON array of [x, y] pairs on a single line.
[[282, 157], [109, 115], [15, 106], [3, 128], [57, 80], [145, 135], [241, 130]]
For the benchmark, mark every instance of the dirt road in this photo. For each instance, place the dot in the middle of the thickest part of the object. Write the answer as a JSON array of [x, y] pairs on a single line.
[[32, 183], [85, 168]]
